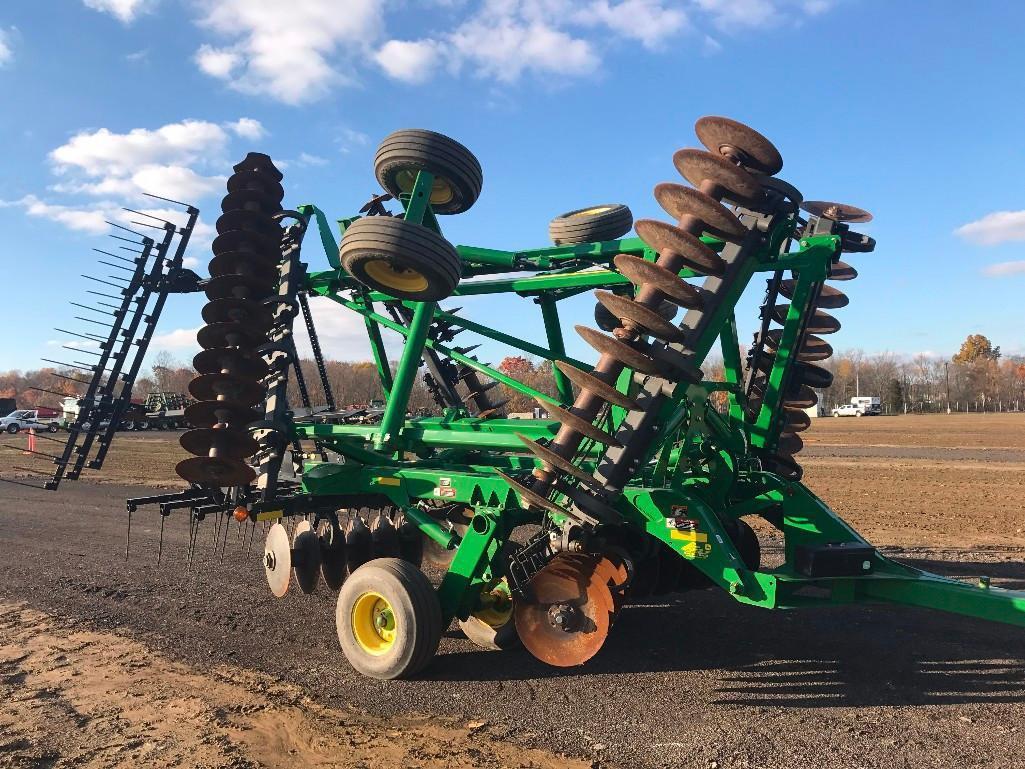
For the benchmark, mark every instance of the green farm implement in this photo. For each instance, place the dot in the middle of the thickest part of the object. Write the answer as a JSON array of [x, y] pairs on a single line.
[[638, 479]]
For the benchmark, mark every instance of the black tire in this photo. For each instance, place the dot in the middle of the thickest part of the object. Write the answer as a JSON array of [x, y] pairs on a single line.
[[13, 429], [53, 427], [416, 624], [400, 258], [458, 177], [608, 221]]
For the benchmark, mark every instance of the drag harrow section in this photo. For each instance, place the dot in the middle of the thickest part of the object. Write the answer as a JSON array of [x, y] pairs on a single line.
[[636, 477]]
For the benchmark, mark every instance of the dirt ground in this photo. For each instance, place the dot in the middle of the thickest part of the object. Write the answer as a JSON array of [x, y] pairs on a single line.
[[105, 662]]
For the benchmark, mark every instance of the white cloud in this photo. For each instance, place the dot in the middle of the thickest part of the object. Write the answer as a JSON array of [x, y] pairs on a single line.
[[306, 160], [91, 220], [248, 128], [292, 54], [348, 139], [1001, 269], [408, 60], [6, 52], [995, 228], [649, 21], [190, 262], [124, 10], [178, 339], [342, 334]]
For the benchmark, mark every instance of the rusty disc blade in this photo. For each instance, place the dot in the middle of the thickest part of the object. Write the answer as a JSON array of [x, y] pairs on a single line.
[[783, 466], [830, 298], [230, 360], [621, 351], [814, 348], [803, 398], [641, 272], [229, 442], [260, 162], [359, 544], [219, 472], [233, 285], [814, 376], [306, 557], [256, 245], [248, 272], [739, 143], [566, 619], [837, 212], [578, 423], [530, 498], [795, 420], [612, 568], [238, 310], [841, 271], [229, 335], [819, 323], [643, 318], [257, 180], [250, 200], [789, 443], [250, 221], [207, 413], [697, 166], [555, 462], [332, 554], [665, 238], [385, 537], [679, 201], [593, 384], [277, 560], [238, 389]]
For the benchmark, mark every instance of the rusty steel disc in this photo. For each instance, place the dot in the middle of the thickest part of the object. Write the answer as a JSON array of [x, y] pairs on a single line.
[[555, 462], [385, 537], [739, 143], [641, 273], [250, 200], [234, 285], [830, 298], [229, 442], [230, 360], [795, 420], [238, 389], [578, 423], [206, 413], [679, 201], [277, 560], [837, 212], [612, 568], [641, 317], [697, 166], [783, 466], [819, 323], [802, 397], [260, 162], [621, 351], [306, 557], [212, 471], [359, 544], [841, 271], [229, 335], [254, 244], [665, 237], [566, 619], [789, 443], [259, 181], [238, 310], [530, 498], [246, 271], [332, 554], [250, 221], [593, 384], [814, 376]]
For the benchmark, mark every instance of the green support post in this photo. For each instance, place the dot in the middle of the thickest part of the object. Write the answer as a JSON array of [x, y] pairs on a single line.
[[553, 330]]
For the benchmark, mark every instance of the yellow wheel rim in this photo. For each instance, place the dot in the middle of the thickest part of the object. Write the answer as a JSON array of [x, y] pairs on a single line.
[[389, 276], [373, 623], [590, 211], [441, 191], [496, 605]]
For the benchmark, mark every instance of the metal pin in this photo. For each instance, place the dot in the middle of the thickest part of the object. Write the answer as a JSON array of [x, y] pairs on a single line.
[[158, 197], [105, 282], [91, 309], [108, 296], [115, 256], [160, 547], [93, 320], [126, 229], [151, 216], [69, 365], [115, 266]]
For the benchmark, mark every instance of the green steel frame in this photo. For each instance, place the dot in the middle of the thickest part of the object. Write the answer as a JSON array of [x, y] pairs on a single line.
[[701, 464]]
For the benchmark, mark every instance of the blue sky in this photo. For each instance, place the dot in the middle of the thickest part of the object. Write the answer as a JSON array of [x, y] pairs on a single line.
[[911, 110]]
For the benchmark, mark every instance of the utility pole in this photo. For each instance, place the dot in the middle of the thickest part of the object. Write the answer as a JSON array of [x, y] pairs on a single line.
[[946, 375], [857, 381]]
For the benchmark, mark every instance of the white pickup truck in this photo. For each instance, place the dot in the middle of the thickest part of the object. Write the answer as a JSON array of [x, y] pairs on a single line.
[[28, 419]]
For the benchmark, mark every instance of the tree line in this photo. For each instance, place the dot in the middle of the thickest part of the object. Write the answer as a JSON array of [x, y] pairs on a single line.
[[977, 378]]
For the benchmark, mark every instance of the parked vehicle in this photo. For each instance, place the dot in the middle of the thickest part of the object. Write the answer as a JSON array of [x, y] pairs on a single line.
[[166, 410], [847, 410], [31, 419], [860, 406]]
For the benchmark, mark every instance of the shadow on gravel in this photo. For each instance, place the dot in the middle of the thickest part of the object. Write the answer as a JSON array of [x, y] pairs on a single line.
[[837, 657]]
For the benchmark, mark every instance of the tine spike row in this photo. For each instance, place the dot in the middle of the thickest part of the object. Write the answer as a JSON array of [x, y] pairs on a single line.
[[91, 309], [126, 229], [143, 213], [116, 256], [167, 200]]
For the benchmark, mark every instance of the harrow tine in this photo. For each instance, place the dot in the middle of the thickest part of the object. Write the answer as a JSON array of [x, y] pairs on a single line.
[[51, 392], [139, 251], [168, 200], [22, 483], [69, 378], [145, 240], [115, 266], [150, 216], [108, 296], [90, 337], [91, 309], [69, 365], [154, 226], [115, 256], [105, 282], [92, 320], [126, 229], [79, 349]]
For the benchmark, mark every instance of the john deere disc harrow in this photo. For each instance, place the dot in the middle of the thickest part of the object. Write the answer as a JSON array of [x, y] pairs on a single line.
[[638, 477]]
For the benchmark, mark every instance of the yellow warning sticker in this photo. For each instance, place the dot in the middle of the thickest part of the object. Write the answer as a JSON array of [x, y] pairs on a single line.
[[386, 480], [688, 536], [269, 515]]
